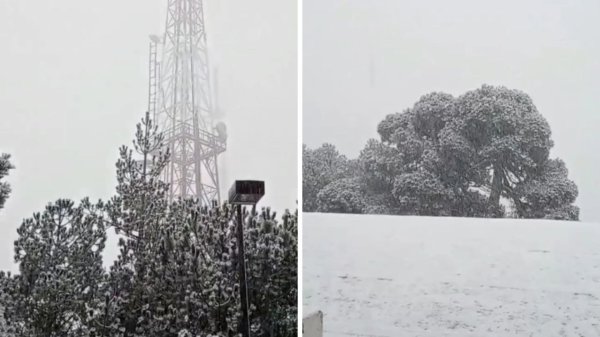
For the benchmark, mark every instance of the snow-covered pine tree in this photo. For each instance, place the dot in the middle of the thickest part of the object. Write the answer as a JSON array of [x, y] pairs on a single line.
[[271, 255], [195, 272], [500, 135], [5, 166], [137, 213], [9, 324], [140, 192], [60, 263], [6, 329], [286, 312], [176, 271], [460, 156]]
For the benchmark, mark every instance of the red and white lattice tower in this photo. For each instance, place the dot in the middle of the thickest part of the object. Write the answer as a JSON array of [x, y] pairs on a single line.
[[180, 102]]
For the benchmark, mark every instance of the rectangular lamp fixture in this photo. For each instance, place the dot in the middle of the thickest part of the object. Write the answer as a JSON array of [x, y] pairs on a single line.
[[246, 192]]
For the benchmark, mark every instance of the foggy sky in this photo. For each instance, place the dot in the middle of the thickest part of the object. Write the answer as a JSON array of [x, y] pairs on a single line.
[[366, 59], [74, 82]]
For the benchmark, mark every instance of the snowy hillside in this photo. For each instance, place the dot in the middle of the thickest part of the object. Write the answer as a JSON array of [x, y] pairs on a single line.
[[418, 276]]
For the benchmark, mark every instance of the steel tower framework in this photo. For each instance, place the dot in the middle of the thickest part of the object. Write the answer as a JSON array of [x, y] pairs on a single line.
[[180, 101]]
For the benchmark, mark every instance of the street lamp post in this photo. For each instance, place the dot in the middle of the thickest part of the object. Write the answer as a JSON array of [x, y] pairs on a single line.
[[244, 192]]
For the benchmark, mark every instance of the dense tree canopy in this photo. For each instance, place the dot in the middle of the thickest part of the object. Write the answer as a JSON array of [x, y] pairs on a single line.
[[176, 272], [60, 266], [548, 194], [457, 156], [341, 196], [321, 167]]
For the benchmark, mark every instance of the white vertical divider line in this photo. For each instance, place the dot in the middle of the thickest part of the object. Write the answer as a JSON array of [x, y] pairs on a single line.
[[300, 112]]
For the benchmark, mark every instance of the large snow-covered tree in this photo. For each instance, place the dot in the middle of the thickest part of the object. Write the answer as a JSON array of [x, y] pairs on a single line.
[[461, 156], [5, 166], [498, 132]]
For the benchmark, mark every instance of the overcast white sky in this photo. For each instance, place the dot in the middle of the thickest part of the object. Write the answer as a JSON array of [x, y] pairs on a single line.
[[73, 84], [547, 48]]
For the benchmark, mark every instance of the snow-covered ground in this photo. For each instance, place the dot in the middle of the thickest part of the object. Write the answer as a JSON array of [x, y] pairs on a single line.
[[420, 276]]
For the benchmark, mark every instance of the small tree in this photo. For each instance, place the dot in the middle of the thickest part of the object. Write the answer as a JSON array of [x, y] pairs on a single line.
[[320, 167], [422, 193], [342, 196]]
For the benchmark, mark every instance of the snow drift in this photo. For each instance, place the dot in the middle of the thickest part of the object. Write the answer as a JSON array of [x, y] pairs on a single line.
[[421, 276]]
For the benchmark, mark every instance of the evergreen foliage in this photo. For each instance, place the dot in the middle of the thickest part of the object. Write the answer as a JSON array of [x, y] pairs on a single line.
[[176, 272], [321, 167], [60, 265], [5, 166], [453, 157], [341, 196], [549, 194]]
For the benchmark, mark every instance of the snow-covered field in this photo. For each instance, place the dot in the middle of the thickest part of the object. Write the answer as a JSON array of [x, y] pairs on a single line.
[[419, 276]]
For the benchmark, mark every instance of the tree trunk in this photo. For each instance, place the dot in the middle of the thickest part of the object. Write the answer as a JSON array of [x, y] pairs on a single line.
[[496, 188]]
